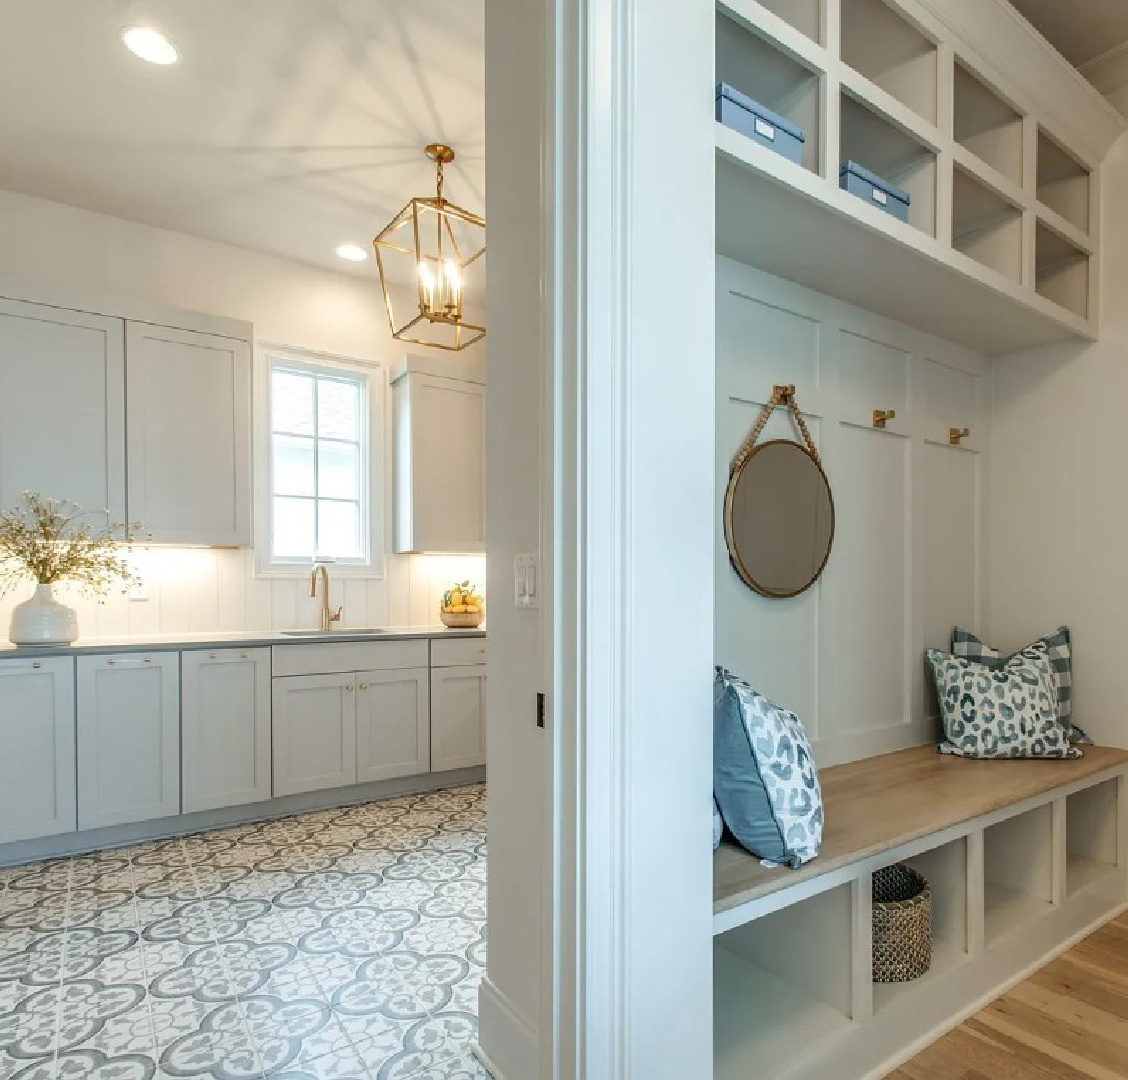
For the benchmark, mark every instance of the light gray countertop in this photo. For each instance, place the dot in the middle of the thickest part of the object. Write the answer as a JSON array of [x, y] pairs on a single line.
[[249, 638]]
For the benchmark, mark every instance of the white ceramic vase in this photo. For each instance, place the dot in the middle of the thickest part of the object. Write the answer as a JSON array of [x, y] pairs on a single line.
[[42, 620]]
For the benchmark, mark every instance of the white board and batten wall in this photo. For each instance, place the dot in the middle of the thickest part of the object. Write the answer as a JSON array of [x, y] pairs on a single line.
[[907, 561]]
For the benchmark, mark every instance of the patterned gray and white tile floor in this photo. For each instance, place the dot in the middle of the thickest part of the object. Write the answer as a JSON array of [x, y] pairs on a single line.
[[339, 945]]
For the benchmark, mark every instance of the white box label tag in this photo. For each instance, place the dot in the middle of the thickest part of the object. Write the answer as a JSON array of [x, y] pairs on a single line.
[[880, 197], [764, 129]]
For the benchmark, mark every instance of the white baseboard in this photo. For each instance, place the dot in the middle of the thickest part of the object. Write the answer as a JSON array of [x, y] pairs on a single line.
[[507, 1040], [485, 1062]]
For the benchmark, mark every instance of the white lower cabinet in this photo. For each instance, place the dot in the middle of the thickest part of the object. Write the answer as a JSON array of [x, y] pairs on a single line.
[[37, 762], [225, 728], [393, 714], [314, 732], [458, 717], [349, 728], [128, 738]]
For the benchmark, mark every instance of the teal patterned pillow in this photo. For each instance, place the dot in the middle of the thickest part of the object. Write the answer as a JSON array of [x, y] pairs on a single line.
[[764, 775], [1005, 712]]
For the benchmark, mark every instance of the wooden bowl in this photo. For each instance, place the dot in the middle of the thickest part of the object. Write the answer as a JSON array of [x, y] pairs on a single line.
[[461, 620]]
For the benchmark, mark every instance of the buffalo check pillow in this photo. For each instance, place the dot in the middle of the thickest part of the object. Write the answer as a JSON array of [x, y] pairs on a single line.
[[1056, 647]]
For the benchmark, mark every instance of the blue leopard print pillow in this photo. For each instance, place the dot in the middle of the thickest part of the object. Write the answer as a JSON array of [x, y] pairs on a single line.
[[1005, 712], [764, 775]]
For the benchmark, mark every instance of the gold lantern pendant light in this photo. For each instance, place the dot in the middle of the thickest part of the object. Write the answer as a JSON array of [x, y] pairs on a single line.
[[445, 242]]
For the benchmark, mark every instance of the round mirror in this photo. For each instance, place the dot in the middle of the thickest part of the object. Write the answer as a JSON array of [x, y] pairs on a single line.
[[779, 519]]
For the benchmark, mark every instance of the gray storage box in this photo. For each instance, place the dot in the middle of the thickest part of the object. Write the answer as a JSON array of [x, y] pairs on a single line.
[[746, 115], [876, 191]]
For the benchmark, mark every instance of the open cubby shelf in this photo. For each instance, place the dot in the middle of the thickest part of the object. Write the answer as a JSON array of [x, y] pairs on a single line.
[[1063, 183], [945, 869], [756, 68], [882, 45], [804, 15], [913, 106], [1017, 872], [1061, 271], [1092, 838], [986, 227], [893, 154], [987, 126], [780, 983]]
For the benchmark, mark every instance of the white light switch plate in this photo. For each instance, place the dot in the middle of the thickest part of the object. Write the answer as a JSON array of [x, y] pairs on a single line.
[[526, 581]]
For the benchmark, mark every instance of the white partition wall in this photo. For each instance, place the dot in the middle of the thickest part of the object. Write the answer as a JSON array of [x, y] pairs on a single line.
[[600, 314], [847, 656]]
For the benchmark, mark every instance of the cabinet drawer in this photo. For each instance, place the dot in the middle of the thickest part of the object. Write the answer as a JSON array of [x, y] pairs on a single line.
[[325, 658], [457, 652]]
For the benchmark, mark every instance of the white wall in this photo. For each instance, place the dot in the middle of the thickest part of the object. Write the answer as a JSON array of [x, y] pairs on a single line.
[[48, 244], [1058, 514], [907, 557], [510, 1001]]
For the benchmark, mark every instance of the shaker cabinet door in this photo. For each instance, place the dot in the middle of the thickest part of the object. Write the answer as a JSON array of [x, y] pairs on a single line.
[[225, 728], [458, 717], [392, 723], [62, 407], [37, 757], [128, 738], [189, 435], [314, 732]]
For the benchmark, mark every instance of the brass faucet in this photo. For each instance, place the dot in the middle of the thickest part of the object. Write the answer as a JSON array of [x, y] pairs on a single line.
[[328, 615]]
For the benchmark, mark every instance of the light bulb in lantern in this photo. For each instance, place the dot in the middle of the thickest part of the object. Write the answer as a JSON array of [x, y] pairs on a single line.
[[454, 287], [427, 287]]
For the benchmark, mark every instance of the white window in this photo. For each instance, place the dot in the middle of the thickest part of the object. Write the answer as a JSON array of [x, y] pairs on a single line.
[[322, 462]]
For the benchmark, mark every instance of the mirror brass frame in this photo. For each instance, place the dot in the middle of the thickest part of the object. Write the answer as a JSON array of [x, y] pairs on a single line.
[[734, 555]]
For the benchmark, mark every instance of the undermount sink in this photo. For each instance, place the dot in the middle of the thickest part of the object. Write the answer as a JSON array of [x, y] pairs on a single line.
[[361, 631]]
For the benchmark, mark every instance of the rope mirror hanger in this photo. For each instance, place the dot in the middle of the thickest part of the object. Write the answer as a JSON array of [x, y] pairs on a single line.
[[779, 511]]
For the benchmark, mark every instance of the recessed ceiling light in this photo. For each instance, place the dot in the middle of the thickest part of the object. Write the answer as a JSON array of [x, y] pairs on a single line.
[[149, 44], [352, 253]]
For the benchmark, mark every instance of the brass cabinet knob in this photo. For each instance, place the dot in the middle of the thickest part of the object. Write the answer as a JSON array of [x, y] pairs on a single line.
[[957, 435], [349, 688], [363, 686], [881, 416]]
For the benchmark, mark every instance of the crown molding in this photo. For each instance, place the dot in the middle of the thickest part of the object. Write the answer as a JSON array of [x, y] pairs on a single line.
[[1008, 51], [1109, 71]]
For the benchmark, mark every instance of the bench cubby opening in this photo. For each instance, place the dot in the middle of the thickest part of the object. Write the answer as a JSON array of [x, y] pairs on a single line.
[[884, 148], [782, 985], [879, 43], [1018, 870], [1092, 824], [756, 67], [1063, 182], [986, 227], [945, 870], [987, 126], [1061, 271]]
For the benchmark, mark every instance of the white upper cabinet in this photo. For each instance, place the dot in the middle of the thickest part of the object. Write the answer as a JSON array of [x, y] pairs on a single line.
[[225, 728], [189, 435], [62, 406], [37, 769], [128, 738], [440, 426]]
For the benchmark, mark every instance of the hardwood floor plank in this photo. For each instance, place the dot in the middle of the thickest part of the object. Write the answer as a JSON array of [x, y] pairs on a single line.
[[1068, 1021]]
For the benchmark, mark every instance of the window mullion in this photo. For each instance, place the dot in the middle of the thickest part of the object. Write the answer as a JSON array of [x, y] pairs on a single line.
[[316, 468]]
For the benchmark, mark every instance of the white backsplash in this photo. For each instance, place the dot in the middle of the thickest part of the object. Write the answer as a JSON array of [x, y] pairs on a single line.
[[199, 590]]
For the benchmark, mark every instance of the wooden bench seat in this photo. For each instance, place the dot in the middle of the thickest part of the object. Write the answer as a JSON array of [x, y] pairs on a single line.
[[880, 803]]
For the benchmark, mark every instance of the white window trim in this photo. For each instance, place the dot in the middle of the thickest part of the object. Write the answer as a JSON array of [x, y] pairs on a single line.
[[374, 469]]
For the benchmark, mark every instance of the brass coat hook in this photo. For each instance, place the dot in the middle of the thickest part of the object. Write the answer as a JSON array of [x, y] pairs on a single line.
[[881, 416], [957, 435]]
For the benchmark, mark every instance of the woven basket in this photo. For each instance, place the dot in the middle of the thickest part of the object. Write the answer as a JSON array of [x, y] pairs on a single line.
[[902, 924]]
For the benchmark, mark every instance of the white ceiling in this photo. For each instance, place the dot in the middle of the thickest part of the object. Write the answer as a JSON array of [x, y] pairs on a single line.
[[1081, 30], [288, 126]]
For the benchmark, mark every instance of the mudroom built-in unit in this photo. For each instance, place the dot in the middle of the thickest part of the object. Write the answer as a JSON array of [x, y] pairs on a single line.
[[938, 167]]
